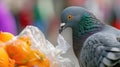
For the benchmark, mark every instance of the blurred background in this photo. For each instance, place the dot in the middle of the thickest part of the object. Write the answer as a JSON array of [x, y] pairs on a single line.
[[15, 15]]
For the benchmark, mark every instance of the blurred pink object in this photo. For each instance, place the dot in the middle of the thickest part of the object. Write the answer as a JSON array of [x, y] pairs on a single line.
[[7, 21], [53, 29]]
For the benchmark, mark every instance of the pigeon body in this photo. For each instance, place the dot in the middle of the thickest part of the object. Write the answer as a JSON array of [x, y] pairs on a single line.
[[95, 44]]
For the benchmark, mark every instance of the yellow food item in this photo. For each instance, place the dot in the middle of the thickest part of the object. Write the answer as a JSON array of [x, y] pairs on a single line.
[[4, 58], [36, 58], [19, 51], [5, 36]]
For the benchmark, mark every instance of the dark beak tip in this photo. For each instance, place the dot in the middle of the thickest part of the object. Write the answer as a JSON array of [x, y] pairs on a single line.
[[60, 30]]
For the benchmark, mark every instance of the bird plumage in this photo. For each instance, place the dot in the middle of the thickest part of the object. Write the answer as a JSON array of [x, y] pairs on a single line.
[[95, 43]]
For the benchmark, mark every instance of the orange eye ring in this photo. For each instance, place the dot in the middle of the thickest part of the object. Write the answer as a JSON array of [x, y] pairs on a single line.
[[70, 17]]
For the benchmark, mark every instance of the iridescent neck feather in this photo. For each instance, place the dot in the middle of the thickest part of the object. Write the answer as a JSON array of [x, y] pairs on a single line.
[[88, 24]]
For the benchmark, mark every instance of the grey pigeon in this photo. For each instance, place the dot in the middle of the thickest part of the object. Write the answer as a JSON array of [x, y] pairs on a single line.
[[95, 44]]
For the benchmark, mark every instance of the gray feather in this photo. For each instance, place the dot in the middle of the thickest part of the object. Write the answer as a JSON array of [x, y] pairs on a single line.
[[101, 49]]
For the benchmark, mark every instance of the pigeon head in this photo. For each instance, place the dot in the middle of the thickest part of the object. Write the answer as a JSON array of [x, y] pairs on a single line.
[[83, 24], [72, 16]]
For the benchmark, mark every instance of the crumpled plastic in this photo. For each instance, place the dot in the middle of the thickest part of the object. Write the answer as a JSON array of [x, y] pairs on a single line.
[[53, 53]]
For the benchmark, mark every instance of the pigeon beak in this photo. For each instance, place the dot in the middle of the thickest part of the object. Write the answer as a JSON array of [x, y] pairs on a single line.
[[62, 27]]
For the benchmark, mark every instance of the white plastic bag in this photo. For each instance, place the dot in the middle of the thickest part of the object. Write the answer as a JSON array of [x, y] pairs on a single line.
[[42, 44]]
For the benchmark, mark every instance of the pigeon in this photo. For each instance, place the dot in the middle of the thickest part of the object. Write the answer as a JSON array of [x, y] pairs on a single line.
[[95, 43]]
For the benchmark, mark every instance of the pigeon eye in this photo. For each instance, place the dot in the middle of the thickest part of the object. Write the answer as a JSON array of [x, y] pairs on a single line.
[[69, 17]]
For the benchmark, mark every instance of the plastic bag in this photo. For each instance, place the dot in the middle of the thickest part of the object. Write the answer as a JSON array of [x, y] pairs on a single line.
[[54, 54]]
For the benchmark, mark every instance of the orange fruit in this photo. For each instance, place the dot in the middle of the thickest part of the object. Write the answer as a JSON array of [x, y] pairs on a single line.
[[36, 63], [2, 44], [36, 58], [11, 63], [19, 51], [5, 36], [23, 66], [25, 39], [4, 58]]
